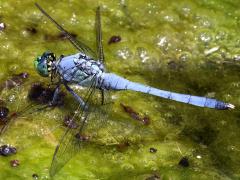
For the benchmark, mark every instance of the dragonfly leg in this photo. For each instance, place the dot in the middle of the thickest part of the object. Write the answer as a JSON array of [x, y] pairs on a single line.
[[75, 95], [102, 95], [55, 96]]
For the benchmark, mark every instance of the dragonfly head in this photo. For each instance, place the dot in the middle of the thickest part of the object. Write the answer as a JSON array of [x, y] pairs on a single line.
[[44, 64]]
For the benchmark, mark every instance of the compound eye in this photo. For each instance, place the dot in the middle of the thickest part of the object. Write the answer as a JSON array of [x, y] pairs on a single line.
[[38, 59]]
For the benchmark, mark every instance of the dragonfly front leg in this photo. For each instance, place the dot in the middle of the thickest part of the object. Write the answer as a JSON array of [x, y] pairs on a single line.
[[75, 95]]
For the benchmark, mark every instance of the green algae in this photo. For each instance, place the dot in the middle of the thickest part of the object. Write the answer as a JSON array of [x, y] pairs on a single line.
[[164, 44]]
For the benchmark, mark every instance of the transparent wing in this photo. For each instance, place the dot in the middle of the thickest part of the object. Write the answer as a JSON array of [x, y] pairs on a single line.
[[29, 109], [76, 43], [98, 27], [69, 144]]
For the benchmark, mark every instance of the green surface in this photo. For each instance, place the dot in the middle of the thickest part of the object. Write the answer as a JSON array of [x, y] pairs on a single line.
[[184, 46]]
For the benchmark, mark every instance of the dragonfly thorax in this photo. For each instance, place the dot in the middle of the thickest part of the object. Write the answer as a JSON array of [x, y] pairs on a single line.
[[88, 65], [79, 67]]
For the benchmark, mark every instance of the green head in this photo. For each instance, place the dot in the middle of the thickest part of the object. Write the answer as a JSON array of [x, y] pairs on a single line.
[[43, 64]]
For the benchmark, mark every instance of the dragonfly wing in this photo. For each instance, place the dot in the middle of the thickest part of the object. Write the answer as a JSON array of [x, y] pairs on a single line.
[[69, 145], [98, 27], [64, 151], [29, 109], [79, 45]]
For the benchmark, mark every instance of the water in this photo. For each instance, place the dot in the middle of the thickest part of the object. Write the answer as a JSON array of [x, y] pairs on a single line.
[[209, 138]]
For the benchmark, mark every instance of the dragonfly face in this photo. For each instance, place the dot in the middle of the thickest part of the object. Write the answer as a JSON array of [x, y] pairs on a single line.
[[44, 64]]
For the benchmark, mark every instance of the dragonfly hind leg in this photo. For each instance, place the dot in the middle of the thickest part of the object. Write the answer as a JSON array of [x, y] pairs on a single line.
[[75, 95]]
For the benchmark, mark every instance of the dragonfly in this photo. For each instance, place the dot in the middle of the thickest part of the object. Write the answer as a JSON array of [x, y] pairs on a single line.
[[87, 69]]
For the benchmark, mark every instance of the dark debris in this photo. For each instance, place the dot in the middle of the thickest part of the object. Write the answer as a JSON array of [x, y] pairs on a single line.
[[59, 36], [14, 81], [14, 163], [31, 30], [135, 115], [35, 176], [7, 150], [114, 39], [184, 162], [82, 138], [3, 113], [69, 122], [44, 95], [152, 150], [123, 146]]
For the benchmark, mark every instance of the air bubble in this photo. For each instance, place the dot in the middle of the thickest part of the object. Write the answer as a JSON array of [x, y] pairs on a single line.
[[124, 53], [142, 54], [205, 37]]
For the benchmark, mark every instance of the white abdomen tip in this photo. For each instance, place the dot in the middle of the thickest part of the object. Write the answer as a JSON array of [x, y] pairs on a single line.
[[230, 106]]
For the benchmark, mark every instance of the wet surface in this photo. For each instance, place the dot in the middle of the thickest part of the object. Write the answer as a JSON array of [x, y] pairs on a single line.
[[184, 46]]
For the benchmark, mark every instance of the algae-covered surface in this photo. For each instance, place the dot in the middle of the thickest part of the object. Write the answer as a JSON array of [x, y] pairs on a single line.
[[184, 46]]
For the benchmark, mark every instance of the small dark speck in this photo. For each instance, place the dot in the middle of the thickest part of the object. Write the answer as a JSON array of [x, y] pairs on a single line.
[[2, 26], [69, 122], [31, 30], [59, 36], [152, 150], [184, 162], [35, 176], [63, 36], [81, 137], [146, 120], [14, 163], [123, 146], [3, 112], [23, 75], [177, 66], [114, 39]]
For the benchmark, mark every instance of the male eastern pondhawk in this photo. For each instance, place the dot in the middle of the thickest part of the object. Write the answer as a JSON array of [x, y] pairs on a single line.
[[87, 70]]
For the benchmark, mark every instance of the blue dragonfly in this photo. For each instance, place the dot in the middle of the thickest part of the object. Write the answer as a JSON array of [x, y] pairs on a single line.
[[87, 69]]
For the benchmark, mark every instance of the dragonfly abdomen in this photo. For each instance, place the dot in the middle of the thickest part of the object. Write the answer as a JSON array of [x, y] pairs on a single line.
[[115, 82]]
